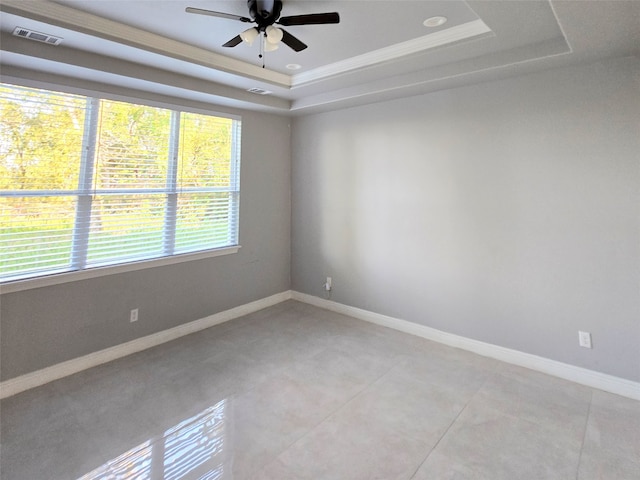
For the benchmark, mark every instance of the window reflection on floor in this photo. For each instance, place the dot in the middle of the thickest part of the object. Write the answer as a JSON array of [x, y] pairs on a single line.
[[195, 448]]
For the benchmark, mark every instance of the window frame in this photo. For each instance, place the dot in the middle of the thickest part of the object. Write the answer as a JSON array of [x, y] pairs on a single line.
[[78, 271]]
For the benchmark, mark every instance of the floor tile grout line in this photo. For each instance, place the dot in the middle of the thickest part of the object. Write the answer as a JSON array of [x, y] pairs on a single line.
[[332, 413], [283, 371], [448, 428], [584, 435], [364, 382]]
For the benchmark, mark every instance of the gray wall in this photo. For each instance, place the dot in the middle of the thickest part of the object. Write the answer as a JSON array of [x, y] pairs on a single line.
[[506, 212], [48, 325]]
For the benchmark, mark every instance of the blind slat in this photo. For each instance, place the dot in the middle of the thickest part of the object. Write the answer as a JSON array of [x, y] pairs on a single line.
[[150, 187]]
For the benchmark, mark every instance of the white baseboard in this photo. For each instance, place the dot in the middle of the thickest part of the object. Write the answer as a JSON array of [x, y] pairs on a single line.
[[602, 381], [40, 377], [583, 376]]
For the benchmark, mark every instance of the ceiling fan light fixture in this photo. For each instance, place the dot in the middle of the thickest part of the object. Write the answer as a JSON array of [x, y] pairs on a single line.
[[264, 14], [274, 34], [249, 35], [270, 47]]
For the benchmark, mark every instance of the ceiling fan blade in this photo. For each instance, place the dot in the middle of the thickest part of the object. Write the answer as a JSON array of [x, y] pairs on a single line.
[[211, 13], [237, 40], [292, 42], [310, 19]]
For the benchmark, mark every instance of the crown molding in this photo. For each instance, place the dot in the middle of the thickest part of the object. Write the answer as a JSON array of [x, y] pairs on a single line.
[[421, 44], [87, 23], [83, 22]]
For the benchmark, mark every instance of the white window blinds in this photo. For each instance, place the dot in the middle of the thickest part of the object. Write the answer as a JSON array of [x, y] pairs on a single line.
[[87, 182]]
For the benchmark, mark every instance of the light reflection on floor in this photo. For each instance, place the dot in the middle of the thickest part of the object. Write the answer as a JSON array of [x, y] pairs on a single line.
[[196, 448], [312, 394]]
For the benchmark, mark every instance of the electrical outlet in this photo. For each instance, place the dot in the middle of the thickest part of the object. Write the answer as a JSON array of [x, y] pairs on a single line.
[[328, 284], [584, 338], [133, 316]]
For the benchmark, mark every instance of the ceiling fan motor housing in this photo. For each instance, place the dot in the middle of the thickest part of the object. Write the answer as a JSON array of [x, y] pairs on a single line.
[[264, 12]]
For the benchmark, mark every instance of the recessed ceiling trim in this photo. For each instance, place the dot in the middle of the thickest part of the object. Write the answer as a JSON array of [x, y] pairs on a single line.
[[66, 17], [498, 65], [184, 97], [433, 22], [124, 69], [393, 52]]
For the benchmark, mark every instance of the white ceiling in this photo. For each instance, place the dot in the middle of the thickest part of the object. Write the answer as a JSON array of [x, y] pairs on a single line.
[[380, 49]]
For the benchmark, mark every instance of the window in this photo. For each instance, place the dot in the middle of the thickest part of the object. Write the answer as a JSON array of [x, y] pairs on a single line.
[[88, 182]]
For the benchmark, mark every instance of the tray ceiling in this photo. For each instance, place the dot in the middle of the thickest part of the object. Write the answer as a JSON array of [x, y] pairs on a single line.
[[379, 50]]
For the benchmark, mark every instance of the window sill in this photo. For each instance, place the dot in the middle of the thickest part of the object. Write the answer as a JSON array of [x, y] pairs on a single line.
[[46, 281]]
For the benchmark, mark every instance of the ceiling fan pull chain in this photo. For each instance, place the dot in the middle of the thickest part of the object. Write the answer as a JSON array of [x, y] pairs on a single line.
[[266, 13], [262, 37]]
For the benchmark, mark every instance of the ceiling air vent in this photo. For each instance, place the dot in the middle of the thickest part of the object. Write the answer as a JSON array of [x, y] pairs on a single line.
[[259, 91], [37, 36]]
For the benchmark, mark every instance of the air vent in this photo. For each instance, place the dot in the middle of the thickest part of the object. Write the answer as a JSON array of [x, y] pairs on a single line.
[[259, 91], [37, 36]]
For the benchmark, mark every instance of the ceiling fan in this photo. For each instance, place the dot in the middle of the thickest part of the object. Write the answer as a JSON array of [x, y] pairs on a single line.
[[266, 13]]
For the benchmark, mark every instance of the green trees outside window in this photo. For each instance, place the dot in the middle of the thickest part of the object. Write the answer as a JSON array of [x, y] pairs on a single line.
[[88, 182]]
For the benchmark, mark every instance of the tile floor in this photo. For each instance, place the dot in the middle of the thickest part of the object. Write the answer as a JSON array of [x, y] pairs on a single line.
[[297, 392]]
